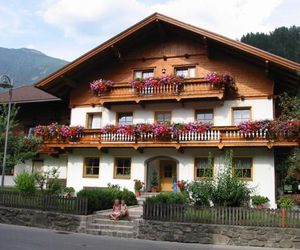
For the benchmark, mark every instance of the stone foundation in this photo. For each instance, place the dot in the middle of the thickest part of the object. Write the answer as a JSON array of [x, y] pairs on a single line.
[[219, 234], [43, 219]]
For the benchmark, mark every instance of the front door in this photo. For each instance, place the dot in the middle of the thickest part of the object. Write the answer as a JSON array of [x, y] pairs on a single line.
[[167, 174]]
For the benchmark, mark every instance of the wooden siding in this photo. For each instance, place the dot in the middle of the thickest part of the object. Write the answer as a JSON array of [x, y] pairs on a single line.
[[251, 80]]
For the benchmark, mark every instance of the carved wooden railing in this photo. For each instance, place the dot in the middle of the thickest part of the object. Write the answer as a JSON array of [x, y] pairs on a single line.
[[214, 135], [193, 88]]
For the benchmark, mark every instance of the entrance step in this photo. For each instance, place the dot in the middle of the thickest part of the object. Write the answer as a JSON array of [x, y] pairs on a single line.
[[102, 225]]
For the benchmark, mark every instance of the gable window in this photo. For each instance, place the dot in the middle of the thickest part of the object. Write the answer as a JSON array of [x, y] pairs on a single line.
[[186, 72], [162, 117], [205, 116], [242, 168], [143, 74], [203, 168], [91, 167], [93, 120], [241, 115], [125, 118], [122, 168]]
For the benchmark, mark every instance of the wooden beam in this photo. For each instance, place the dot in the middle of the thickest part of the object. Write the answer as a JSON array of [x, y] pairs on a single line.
[[117, 54], [162, 33], [68, 81]]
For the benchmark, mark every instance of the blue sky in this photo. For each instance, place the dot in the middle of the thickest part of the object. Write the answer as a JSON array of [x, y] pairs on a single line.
[[69, 28]]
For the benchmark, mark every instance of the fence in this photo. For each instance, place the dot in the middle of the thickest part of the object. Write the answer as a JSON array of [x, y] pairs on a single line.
[[222, 215], [72, 205]]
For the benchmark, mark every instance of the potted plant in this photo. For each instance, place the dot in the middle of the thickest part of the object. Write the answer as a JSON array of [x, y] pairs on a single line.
[[154, 182], [69, 192], [138, 185], [259, 201]]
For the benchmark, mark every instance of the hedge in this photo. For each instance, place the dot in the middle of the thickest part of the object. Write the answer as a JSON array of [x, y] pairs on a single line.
[[101, 199]]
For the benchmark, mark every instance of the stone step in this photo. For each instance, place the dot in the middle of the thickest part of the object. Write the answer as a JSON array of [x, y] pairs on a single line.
[[104, 221], [123, 228], [111, 233]]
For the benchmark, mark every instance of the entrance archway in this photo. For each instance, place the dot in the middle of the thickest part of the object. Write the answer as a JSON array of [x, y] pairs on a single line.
[[166, 169]]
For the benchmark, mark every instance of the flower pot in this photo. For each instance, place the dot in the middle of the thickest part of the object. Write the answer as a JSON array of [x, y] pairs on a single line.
[[154, 189], [137, 193], [260, 206]]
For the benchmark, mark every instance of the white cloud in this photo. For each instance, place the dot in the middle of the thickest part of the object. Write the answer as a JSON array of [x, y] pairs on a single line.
[[97, 19]]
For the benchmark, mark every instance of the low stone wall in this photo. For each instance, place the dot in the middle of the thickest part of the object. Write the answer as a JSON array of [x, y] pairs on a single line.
[[43, 219], [219, 234]]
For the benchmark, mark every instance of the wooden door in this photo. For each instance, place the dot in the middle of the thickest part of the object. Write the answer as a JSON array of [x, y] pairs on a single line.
[[167, 174]]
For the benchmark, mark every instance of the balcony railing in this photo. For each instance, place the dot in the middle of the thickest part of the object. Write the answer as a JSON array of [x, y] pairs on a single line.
[[191, 89], [216, 137]]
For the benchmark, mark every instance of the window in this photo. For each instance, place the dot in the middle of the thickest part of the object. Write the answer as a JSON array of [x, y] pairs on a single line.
[[125, 118], [91, 167], [37, 166], [122, 168], [143, 74], [186, 72], [241, 115], [204, 168], [93, 120], [205, 116], [242, 168], [163, 116]]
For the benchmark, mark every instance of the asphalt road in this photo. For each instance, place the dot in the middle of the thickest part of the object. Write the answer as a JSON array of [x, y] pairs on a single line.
[[27, 238]]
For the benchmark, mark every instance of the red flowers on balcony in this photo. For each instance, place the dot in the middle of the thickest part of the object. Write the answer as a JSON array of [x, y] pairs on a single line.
[[222, 81], [289, 129], [101, 86], [152, 82], [59, 132]]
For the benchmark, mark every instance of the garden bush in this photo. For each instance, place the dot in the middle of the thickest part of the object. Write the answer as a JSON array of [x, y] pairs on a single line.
[[100, 199], [285, 202], [169, 198], [25, 183], [200, 192]]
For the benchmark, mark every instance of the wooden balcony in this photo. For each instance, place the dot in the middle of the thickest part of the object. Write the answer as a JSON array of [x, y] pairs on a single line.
[[216, 137], [192, 89]]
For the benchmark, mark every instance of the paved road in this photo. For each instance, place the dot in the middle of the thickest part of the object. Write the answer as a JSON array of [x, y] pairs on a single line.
[[27, 238]]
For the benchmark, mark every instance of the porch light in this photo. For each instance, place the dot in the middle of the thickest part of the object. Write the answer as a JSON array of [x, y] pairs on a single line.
[[5, 82]]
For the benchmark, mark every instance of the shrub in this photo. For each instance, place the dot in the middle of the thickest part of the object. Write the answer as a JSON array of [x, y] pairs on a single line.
[[228, 190], [259, 200], [49, 182], [286, 202], [200, 192], [169, 198], [100, 199], [25, 183]]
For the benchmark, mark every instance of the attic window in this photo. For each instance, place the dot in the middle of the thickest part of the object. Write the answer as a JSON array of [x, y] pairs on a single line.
[[143, 74], [186, 72]]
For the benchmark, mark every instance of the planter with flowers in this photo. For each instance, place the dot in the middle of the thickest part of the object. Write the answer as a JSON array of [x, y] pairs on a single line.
[[58, 132], [252, 129], [138, 186], [100, 86], [286, 129], [222, 81], [150, 83], [182, 185]]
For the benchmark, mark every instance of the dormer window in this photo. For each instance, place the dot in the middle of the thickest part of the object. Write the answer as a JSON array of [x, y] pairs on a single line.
[[186, 72], [143, 74]]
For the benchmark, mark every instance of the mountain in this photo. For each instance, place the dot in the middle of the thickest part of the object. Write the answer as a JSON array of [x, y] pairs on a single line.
[[282, 41], [27, 66]]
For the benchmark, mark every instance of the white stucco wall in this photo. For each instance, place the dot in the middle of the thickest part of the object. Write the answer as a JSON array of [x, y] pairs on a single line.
[[260, 109], [263, 167]]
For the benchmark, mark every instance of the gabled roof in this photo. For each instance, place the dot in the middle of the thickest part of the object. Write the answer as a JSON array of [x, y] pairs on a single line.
[[272, 59], [27, 94]]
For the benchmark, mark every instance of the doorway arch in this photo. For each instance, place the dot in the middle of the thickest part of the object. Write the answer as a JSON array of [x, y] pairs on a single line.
[[166, 168]]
